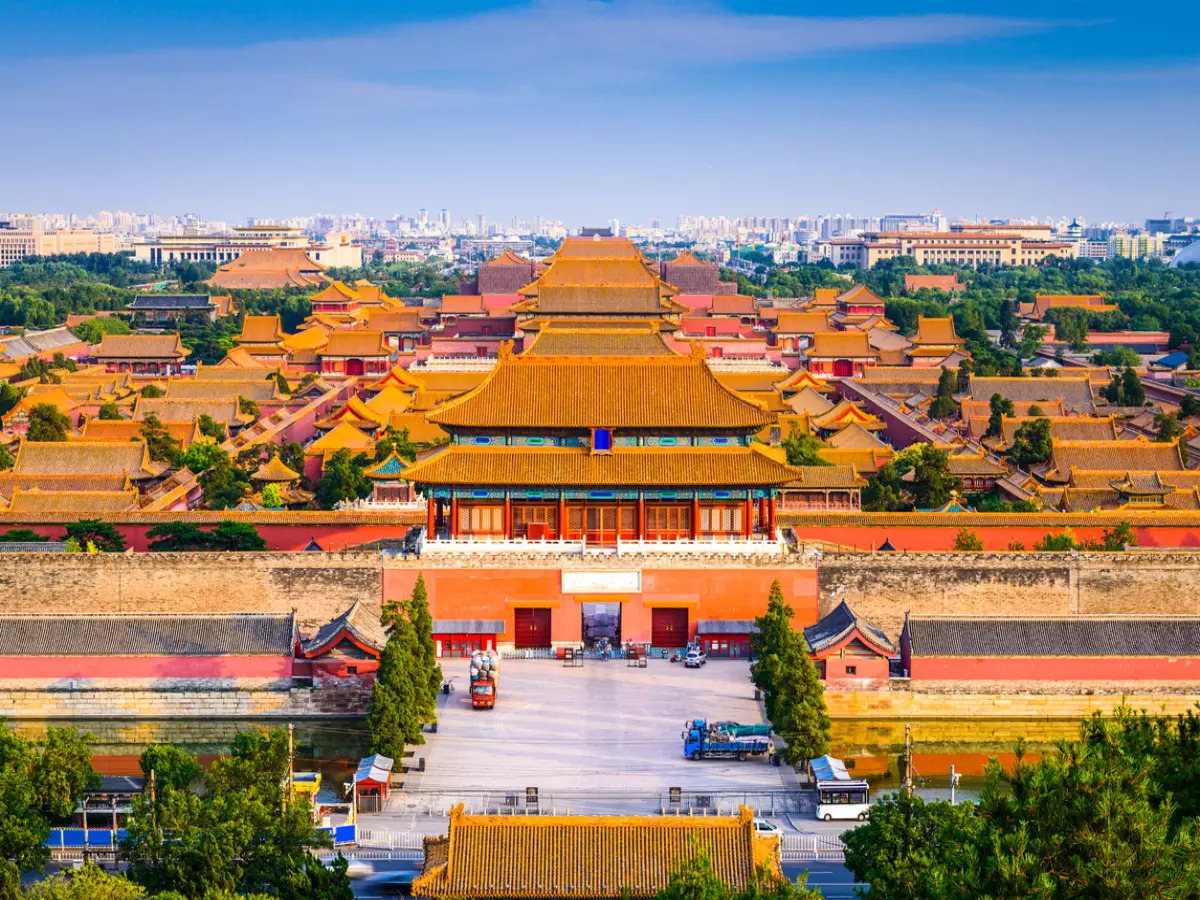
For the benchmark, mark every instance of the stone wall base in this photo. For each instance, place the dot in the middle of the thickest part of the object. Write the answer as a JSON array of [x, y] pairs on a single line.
[[215, 704], [918, 705]]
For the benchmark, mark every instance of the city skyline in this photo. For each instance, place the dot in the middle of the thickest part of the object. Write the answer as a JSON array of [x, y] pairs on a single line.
[[591, 111]]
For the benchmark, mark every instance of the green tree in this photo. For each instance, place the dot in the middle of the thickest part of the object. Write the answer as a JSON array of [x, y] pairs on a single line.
[[962, 381], [803, 449], [1125, 389], [967, 541], [234, 536], [1058, 543], [429, 672], [248, 407], [22, 535], [282, 384], [110, 412], [943, 406], [394, 716], [178, 537], [6, 459], [94, 330], [693, 877], [173, 767], [200, 456], [210, 427], [272, 498], [1167, 428], [886, 491], [795, 697], [62, 771], [89, 883], [1189, 406], [343, 479], [1031, 443], [152, 392], [224, 485], [998, 407], [46, 423], [161, 446], [104, 535], [10, 396], [1119, 538], [932, 483], [394, 440]]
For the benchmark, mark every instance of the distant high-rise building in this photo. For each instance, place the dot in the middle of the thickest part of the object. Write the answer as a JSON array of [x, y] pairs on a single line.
[[444, 219]]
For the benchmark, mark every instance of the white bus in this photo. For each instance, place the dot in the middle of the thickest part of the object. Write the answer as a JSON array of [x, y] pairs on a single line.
[[842, 799]]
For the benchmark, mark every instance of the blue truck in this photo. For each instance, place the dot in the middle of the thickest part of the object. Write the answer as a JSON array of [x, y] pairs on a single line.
[[703, 742]]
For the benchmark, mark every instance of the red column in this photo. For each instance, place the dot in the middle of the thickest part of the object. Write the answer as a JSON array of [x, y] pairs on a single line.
[[641, 522], [453, 518], [508, 516], [747, 524], [695, 530], [771, 518], [562, 516], [762, 512], [430, 521]]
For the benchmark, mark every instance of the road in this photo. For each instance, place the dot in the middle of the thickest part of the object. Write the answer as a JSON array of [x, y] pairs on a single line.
[[390, 878]]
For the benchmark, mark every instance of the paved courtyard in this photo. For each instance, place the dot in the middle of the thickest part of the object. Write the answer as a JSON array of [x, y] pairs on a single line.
[[604, 728]]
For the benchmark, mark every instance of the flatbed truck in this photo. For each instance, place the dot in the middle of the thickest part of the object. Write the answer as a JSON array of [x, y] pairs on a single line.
[[703, 743]]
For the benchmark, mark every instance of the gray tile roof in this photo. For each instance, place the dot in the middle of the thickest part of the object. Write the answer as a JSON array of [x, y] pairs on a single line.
[[171, 301], [363, 624], [726, 626], [841, 622], [200, 634], [1037, 636], [468, 626]]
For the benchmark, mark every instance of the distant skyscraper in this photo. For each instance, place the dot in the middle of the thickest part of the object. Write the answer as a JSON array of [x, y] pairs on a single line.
[[444, 218]]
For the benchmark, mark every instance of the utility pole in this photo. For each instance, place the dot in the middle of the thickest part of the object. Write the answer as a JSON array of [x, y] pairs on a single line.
[[908, 779], [954, 777], [291, 778]]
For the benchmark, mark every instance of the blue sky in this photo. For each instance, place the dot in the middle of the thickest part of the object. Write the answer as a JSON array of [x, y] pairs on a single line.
[[586, 110]]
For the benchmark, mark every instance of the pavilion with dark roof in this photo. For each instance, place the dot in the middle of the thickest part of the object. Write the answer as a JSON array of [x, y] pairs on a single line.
[[848, 649]]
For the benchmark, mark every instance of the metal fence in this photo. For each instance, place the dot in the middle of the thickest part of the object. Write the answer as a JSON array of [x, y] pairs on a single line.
[[800, 846], [532, 801], [391, 840]]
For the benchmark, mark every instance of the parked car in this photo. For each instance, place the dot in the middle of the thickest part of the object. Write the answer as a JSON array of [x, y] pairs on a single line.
[[695, 659], [763, 828]]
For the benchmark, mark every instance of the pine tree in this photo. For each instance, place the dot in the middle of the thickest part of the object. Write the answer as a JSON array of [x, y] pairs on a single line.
[[394, 717], [428, 673], [800, 715], [769, 639]]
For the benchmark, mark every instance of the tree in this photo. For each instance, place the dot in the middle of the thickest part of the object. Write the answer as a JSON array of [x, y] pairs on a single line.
[[395, 441], [10, 396], [967, 541], [6, 459], [210, 427], [22, 535], [1057, 543], [999, 407], [1119, 538], [247, 407], [282, 384], [943, 406], [159, 442], [89, 883], [962, 382], [394, 715], [428, 672], [904, 848], [177, 537], [223, 484], [343, 479], [105, 536], [46, 423], [1125, 389], [272, 498], [932, 481], [63, 771], [200, 456], [94, 330], [803, 449], [795, 697], [885, 491], [152, 392], [110, 412], [1031, 443], [1189, 406], [234, 536], [1167, 428], [694, 878], [173, 767]]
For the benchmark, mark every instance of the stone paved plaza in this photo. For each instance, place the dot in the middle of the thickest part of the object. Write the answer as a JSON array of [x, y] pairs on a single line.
[[603, 728]]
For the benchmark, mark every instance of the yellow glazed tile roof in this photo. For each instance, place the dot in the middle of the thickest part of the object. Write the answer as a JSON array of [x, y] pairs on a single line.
[[584, 857], [648, 466], [275, 471], [185, 431], [129, 458], [34, 500], [141, 346], [601, 392], [840, 345], [938, 332], [260, 330], [344, 435]]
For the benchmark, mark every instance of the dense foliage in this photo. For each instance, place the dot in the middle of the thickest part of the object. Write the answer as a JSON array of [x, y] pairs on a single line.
[[783, 671], [1114, 814]]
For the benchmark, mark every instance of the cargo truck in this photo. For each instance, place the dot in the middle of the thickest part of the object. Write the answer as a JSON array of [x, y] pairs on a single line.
[[734, 729], [485, 677], [701, 742]]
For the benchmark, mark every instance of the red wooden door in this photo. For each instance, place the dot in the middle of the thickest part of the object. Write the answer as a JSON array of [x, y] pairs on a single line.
[[532, 628], [669, 627], [354, 367], [843, 368]]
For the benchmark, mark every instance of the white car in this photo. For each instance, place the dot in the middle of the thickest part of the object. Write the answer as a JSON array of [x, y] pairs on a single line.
[[695, 659], [763, 828]]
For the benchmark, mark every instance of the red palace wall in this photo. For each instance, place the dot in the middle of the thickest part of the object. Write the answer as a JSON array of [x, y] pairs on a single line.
[[1083, 668], [48, 668], [934, 537], [705, 593]]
